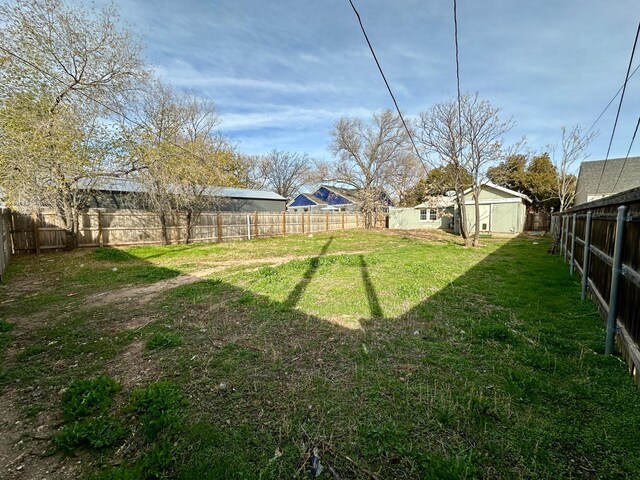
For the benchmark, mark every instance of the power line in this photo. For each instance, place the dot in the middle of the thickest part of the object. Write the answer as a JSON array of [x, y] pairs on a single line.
[[611, 101], [366, 37], [615, 123], [624, 164], [98, 102], [455, 34]]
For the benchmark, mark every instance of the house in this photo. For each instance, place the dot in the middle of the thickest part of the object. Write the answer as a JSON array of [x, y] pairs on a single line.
[[501, 210], [434, 212], [600, 178], [330, 198], [124, 193]]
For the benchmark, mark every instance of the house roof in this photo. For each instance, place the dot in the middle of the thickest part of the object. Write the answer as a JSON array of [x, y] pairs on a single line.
[[348, 193], [117, 184], [613, 176], [502, 189], [441, 201]]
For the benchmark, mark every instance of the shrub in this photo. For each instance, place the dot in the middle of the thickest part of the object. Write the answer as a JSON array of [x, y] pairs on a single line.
[[87, 397]]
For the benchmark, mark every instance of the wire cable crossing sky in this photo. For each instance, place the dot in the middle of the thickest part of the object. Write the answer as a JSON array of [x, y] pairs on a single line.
[[282, 73]]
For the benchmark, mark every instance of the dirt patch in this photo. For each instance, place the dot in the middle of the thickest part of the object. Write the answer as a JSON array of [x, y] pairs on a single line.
[[131, 368], [25, 445], [139, 295]]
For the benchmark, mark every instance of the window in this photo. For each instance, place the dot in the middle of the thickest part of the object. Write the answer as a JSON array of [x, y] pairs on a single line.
[[428, 214]]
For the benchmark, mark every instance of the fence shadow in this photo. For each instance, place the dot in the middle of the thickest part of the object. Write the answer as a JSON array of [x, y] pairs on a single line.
[[454, 372]]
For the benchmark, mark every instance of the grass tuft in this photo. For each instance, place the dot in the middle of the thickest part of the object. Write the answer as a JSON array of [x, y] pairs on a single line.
[[88, 397], [163, 340], [159, 407]]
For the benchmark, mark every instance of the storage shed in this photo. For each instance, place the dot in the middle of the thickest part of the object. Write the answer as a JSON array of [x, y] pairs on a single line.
[[501, 210]]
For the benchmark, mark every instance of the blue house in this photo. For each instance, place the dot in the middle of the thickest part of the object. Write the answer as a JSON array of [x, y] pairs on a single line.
[[328, 198]]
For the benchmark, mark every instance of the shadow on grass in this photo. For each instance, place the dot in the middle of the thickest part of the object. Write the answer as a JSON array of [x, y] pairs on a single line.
[[498, 374], [296, 293]]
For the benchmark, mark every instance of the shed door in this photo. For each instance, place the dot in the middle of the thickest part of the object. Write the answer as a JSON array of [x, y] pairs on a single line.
[[485, 218]]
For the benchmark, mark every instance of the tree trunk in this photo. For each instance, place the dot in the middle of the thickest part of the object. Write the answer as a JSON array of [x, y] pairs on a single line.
[[163, 226], [189, 218], [476, 232]]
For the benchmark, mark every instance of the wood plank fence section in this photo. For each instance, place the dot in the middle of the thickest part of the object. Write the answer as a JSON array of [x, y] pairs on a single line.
[[5, 240], [601, 241], [44, 231]]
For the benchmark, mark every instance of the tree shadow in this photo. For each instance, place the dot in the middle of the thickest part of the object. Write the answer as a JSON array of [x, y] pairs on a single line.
[[297, 292], [372, 296]]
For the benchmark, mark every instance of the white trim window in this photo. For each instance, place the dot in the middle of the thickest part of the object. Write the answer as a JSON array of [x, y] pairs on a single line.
[[428, 215]]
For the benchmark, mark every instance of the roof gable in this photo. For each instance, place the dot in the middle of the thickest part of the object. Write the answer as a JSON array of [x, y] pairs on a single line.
[[331, 196], [305, 200]]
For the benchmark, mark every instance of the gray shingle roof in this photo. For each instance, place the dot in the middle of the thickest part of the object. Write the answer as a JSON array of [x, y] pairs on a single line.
[[128, 185], [590, 175]]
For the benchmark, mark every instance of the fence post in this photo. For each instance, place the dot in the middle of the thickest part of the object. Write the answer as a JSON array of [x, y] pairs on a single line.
[[36, 232], [327, 222], [342, 214], [585, 257], [248, 227], [615, 280], [100, 232], [302, 216], [284, 223], [573, 243], [219, 225]]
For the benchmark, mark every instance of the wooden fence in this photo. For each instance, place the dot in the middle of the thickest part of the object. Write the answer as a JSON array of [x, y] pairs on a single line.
[[35, 233], [601, 241], [537, 221], [5, 240]]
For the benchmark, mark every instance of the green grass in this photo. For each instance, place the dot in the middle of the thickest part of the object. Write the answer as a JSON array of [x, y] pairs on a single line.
[[391, 355]]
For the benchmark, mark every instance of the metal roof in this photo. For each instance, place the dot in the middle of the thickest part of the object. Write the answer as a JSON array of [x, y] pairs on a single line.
[[116, 184]]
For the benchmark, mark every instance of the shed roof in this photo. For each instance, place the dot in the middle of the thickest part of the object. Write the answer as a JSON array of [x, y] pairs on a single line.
[[117, 184], [502, 189]]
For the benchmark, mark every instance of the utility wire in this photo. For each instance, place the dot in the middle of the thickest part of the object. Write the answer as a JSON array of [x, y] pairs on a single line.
[[624, 164], [455, 34], [611, 101], [615, 123], [98, 102], [373, 53]]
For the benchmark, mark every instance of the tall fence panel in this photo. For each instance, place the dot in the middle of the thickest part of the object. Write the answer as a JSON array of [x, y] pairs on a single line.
[[45, 231], [601, 242], [5, 240]]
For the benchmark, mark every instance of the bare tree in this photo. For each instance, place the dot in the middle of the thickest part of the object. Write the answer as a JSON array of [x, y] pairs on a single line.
[[284, 172], [61, 65], [573, 148], [369, 156], [483, 137], [439, 134], [468, 139], [179, 157]]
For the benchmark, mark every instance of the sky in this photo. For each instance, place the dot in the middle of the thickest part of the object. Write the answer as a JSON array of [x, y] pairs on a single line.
[[283, 72]]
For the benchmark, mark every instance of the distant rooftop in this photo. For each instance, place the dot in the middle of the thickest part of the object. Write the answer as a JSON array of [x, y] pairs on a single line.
[[600, 178], [116, 184]]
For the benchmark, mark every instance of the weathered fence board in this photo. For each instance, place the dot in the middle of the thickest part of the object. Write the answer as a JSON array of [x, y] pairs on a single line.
[[5, 240], [44, 231], [589, 234]]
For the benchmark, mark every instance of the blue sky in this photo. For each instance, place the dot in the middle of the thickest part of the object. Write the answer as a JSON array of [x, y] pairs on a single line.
[[282, 72]]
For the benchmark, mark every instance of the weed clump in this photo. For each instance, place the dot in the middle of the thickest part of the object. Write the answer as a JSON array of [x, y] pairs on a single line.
[[159, 407], [164, 340], [88, 397], [95, 433]]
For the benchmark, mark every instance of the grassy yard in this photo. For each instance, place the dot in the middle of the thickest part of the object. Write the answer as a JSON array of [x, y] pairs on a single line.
[[388, 356]]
